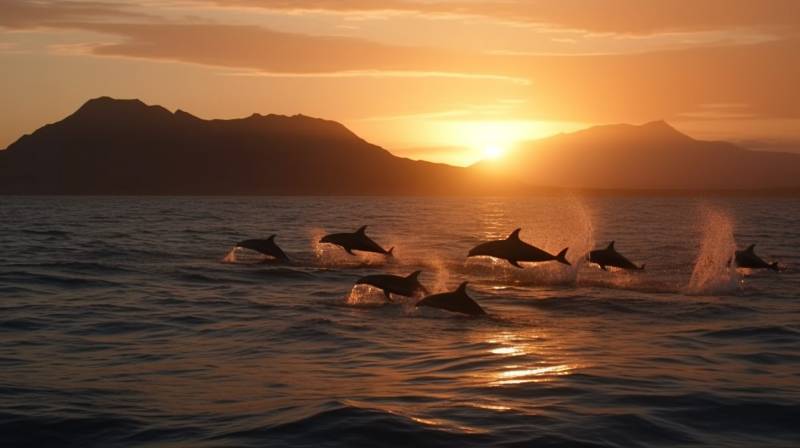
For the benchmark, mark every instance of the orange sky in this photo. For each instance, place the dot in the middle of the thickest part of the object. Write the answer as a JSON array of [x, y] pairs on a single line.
[[447, 80]]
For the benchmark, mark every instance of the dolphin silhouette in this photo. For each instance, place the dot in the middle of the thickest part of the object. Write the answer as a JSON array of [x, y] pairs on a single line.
[[357, 240], [748, 259], [267, 247], [408, 286], [456, 301], [514, 250], [610, 257]]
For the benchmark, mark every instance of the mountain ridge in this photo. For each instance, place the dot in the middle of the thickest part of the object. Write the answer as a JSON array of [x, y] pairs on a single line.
[[652, 156], [110, 146]]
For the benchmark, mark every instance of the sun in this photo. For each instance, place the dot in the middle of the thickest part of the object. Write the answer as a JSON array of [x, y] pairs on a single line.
[[493, 152]]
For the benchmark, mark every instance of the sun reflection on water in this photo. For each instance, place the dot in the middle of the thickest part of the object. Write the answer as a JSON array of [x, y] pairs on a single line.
[[538, 358]]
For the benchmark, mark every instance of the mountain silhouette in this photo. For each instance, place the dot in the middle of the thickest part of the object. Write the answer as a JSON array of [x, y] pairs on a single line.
[[125, 147], [120, 147], [652, 156]]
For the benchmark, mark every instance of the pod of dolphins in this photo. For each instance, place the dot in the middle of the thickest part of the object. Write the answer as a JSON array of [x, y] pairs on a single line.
[[511, 249]]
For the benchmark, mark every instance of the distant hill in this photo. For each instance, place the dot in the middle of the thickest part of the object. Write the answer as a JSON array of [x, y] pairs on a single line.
[[125, 147], [653, 156]]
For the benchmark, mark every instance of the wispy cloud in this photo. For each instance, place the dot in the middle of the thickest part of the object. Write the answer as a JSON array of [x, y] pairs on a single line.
[[385, 74], [616, 16]]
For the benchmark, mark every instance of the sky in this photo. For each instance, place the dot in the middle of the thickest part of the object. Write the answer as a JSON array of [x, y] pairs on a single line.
[[451, 81]]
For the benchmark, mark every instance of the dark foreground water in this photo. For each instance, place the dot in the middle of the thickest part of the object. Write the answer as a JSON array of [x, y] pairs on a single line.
[[120, 325]]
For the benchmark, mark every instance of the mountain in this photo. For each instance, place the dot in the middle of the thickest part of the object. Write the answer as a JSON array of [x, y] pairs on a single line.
[[125, 147], [653, 156], [111, 146]]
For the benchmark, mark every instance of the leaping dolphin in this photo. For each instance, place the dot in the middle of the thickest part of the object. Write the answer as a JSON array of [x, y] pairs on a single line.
[[514, 250], [266, 247], [456, 301], [357, 240], [610, 257], [408, 286], [748, 259]]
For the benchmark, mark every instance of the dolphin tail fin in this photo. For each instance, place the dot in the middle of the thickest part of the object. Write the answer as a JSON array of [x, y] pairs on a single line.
[[562, 257], [390, 252]]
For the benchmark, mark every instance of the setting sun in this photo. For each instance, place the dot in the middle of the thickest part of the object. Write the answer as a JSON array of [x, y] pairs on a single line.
[[493, 152]]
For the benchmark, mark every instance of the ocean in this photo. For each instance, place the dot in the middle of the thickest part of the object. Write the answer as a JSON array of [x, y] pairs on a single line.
[[132, 322]]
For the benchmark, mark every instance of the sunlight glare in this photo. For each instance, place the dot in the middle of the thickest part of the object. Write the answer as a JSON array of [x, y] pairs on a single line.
[[493, 152]]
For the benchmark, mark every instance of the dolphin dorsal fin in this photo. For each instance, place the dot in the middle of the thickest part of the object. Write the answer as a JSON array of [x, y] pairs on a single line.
[[361, 230], [750, 248], [462, 288], [271, 237], [610, 246], [414, 275], [514, 235]]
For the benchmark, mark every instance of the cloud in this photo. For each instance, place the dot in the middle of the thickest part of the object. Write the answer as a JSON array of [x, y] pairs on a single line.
[[604, 16], [626, 87], [266, 50], [26, 14]]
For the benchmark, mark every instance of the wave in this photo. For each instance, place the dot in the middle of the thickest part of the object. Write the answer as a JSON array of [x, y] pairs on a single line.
[[348, 425], [61, 233], [64, 281], [767, 333]]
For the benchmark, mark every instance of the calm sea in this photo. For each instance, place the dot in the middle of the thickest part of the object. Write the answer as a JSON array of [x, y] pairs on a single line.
[[128, 322]]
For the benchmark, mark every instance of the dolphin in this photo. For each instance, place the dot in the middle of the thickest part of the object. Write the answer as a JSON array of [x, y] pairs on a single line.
[[408, 286], [610, 257], [514, 250], [266, 247], [748, 259], [357, 240], [456, 301]]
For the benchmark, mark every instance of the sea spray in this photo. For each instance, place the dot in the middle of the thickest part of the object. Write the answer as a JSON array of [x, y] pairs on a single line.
[[575, 231], [230, 257], [713, 270], [365, 295]]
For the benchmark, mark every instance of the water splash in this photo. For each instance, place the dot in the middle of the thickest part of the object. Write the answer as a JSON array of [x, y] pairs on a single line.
[[575, 231], [442, 275], [713, 272], [230, 257], [365, 295]]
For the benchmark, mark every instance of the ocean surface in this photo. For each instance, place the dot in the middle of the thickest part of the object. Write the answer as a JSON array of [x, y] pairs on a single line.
[[131, 322]]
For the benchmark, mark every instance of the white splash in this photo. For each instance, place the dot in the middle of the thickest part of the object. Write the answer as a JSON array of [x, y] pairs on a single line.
[[713, 270]]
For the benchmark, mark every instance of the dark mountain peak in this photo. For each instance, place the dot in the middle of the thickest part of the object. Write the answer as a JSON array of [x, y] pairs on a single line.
[[105, 108], [651, 133], [658, 124], [662, 128], [295, 124], [183, 115]]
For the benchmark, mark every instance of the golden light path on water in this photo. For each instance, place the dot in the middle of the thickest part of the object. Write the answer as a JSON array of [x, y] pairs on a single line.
[[521, 345]]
